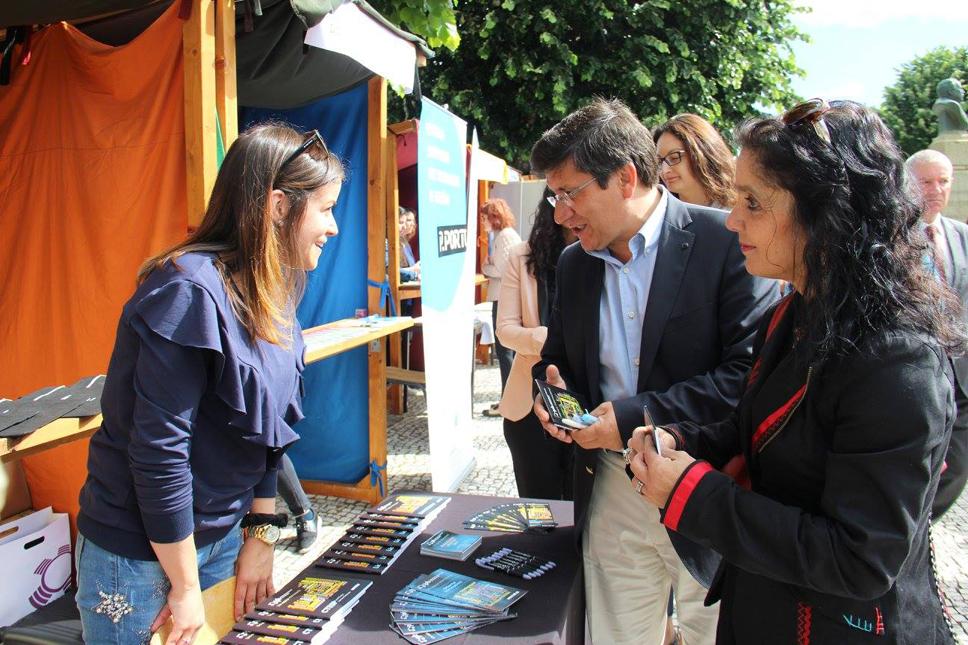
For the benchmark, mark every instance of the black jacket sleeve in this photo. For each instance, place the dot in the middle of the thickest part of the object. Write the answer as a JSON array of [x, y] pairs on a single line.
[[891, 409], [717, 443], [553, 352]]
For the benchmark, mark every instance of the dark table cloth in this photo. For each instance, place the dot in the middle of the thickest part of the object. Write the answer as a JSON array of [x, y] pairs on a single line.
[[551, 612]]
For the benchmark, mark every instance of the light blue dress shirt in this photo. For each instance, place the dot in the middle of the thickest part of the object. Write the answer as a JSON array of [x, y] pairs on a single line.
[[625, 293]]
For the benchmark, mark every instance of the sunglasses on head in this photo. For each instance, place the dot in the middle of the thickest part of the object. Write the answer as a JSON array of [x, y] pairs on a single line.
[[311, 138], [809, 113]]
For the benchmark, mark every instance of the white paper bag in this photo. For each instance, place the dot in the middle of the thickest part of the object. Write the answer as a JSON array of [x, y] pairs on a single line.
[[35, 552]]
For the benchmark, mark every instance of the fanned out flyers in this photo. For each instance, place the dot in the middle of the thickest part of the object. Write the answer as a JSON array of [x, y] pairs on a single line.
[[405, 616], [513, 518], [443, 604], [430, 637], [432, 608], [374, 568]]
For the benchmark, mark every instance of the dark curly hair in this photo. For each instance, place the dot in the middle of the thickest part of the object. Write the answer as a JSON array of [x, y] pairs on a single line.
[[863, 256], [709, 157], [546, 241]]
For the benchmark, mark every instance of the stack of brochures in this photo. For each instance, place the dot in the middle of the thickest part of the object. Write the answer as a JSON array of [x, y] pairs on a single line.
[[447, 544], [444, 604], [379, 535], [513, 518], [307, 611]]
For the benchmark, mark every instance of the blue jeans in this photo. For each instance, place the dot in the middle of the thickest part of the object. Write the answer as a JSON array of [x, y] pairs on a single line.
[[120, 597]]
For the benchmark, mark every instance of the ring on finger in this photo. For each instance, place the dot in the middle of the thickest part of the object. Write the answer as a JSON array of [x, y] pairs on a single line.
[[639, 485]]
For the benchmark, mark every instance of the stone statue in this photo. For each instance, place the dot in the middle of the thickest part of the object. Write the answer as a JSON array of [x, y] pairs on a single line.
[[951, 117]]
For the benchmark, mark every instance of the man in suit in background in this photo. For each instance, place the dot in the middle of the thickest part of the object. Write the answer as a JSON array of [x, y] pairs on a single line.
[[653, 307], [931, 172]]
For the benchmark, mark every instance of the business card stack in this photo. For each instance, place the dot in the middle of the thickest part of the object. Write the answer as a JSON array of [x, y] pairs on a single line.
[[379, 535], [450, 545], [306, 611], [444, 604], [514, 518]]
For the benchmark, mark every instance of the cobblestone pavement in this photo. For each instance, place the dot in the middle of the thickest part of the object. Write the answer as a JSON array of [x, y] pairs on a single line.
[[409, 469]]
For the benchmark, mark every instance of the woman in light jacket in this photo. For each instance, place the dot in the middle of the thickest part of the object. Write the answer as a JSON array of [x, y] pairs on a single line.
[[499, 218], [542, 468]]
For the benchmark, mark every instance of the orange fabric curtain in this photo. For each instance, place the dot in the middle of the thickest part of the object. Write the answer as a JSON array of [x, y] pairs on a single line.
[[92, 182]]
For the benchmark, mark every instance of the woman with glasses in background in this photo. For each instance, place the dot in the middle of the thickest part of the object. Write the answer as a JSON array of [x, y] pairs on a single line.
[[848, 407], [694, 161], [203, 388]]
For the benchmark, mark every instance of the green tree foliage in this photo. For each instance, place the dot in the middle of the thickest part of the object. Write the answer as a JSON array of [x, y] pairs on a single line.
[[524, 64], [907, 103], [432, 20]]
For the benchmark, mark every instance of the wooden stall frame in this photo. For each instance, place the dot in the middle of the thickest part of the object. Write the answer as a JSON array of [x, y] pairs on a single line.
[[198, 48], [394, 342], [376, 270], [226, 93]]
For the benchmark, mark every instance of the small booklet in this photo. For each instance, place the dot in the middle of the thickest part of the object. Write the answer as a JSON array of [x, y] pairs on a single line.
[[255, 626], [410, 505], [316, 596], [567, 409], [447, 544]]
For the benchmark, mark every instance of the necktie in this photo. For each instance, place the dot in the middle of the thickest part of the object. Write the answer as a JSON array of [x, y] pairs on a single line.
[[936, 256]]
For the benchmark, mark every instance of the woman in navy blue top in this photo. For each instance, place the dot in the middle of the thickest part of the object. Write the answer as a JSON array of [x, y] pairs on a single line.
[[203, 389]]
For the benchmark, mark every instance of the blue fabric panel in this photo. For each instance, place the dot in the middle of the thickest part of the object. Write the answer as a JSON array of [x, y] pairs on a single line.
[[335, 433]]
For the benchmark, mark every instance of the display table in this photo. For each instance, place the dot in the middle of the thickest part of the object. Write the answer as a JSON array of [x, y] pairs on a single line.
[[552, 611], [343, 335]]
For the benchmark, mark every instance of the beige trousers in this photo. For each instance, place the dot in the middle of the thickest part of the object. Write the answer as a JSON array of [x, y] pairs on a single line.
[[630, 565]]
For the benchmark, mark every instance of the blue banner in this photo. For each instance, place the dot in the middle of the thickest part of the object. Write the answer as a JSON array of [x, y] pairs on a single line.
[[442, 203], [447, 239], [335, 434]]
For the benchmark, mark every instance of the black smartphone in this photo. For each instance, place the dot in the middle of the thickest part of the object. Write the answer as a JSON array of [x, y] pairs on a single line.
[[566, 409]]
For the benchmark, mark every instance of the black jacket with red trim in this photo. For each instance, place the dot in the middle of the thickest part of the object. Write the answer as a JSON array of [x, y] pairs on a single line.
[[830, 542]]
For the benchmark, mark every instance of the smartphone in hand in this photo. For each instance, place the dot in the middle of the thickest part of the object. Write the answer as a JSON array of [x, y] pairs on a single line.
[[655, 429], [566, 409]]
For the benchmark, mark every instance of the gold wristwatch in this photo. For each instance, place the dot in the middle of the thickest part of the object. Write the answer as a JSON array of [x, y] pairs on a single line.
[[268, 533]]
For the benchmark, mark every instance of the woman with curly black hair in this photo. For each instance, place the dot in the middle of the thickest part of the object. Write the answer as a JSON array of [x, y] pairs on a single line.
[[848, 407], [542, 468]]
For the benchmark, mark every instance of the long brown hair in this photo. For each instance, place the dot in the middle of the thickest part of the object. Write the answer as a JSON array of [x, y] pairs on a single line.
[[709, 157], [256, 251]]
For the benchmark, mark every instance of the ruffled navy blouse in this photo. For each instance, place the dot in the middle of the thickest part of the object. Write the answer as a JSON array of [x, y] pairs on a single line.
[[196, 416]]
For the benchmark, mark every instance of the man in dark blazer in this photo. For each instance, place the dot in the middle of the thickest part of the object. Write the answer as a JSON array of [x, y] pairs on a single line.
[[932, 173], [654, 307]]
